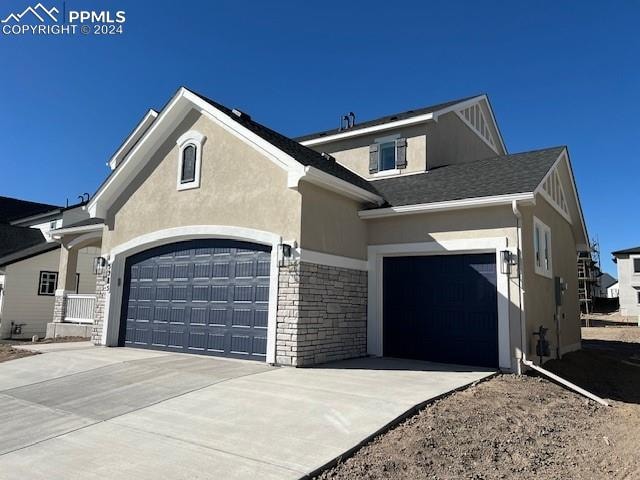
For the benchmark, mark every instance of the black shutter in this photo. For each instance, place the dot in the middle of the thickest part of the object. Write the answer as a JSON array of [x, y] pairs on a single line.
[[373, 158], [401, 153]]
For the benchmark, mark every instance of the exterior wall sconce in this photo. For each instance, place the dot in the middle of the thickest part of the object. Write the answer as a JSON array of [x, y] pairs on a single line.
[[507, 260], [285, 253], [99, 265]]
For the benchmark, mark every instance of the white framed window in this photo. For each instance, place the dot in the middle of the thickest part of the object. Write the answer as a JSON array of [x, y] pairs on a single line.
[[48, 283], [189, 159], [388, 155], [543, 261], [636, 265]]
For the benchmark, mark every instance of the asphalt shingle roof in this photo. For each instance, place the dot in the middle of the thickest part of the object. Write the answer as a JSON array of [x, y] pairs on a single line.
[[14, 238], [28, 252], [13, 209], [302, 154], [386, 119], [627, 251], [502, 175]]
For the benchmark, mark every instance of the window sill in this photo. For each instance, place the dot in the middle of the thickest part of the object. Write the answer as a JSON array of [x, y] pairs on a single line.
[[387, 173], [544, 273], [188, 186]]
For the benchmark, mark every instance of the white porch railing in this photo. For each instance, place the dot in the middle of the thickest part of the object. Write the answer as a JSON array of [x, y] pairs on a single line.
[[80, 308]]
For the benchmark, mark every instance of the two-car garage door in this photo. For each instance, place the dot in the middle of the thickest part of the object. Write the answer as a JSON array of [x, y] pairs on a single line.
[[205, 296], [441, 308]]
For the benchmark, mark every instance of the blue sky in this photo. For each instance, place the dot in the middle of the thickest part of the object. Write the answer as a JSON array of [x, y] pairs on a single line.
[[556, 73]]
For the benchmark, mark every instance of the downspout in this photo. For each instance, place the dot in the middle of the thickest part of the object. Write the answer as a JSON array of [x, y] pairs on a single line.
[[522, 354]]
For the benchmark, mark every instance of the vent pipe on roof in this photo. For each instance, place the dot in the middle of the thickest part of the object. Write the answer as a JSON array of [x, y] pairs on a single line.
[[347, 121], [240, 114]]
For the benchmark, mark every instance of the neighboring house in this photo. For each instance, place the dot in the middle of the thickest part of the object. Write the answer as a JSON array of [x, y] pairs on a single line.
[[400, 236], [29, 261], [613, 290], [602, 286], [628, 262]]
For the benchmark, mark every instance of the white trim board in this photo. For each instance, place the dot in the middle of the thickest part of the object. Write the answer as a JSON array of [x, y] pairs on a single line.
[[376, 254], [320, 258], [119, 254]]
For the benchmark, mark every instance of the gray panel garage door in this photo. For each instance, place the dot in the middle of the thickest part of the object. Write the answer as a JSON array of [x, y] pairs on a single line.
[[441, 308], [205, 296]]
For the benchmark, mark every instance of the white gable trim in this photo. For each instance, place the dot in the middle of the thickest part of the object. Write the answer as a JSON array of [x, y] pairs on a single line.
[[365, 131], [146, 121], [564, 156], [432, 116], [168, 119]]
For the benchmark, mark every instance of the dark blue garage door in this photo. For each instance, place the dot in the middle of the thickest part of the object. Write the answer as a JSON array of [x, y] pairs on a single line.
[[441, 309], [206, 296]]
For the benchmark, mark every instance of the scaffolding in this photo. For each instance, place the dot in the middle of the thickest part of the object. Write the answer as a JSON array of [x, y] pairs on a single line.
[[588, 274]]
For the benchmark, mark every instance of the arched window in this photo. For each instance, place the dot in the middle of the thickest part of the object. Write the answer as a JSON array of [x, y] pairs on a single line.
[[189, 160], [188, 173]]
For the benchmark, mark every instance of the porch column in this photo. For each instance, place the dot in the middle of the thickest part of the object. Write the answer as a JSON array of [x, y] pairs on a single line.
[[66, 281]]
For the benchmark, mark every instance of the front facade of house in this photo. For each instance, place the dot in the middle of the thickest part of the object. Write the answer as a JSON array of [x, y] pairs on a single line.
[[412, 236], [29, 261], [628, 285]]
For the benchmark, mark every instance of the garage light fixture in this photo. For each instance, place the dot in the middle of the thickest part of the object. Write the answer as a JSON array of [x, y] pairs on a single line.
[[507, 260], [286, 251]]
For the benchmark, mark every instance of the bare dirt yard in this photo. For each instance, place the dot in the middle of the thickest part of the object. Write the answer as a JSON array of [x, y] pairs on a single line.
[[7, 352], [513, 427]]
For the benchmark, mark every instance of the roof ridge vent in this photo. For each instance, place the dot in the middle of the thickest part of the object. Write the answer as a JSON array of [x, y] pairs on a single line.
[[241, 114]]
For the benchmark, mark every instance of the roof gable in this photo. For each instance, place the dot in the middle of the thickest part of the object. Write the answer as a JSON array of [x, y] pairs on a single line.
[[469, 109], [300, 162]]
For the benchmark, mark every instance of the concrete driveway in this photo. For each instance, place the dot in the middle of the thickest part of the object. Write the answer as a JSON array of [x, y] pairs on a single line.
[[83, 412]]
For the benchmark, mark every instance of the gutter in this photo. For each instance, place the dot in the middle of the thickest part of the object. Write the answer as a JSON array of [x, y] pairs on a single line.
[[447, 205], [60, 232], [521, 353]]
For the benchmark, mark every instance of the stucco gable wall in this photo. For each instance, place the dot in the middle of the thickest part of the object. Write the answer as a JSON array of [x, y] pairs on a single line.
[[540, 300], [239, 187], [451, 141], [353, 152]]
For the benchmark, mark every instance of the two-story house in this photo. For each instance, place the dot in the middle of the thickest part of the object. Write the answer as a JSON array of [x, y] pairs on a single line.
[[415, 235], [628, 262]]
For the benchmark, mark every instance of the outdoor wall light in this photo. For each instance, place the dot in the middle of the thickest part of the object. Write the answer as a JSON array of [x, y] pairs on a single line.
[[99, 265], [507, 260], [285, 253]]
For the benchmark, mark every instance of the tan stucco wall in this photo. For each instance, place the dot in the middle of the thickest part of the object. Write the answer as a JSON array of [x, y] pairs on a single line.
[[353, 153], [22, 304], [452, 141], [461, 224], [330, 223], [238, 187], [540, 290]]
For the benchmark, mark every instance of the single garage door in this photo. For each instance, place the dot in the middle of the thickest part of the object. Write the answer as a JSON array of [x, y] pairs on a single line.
[[441, 309], [206, 296]]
